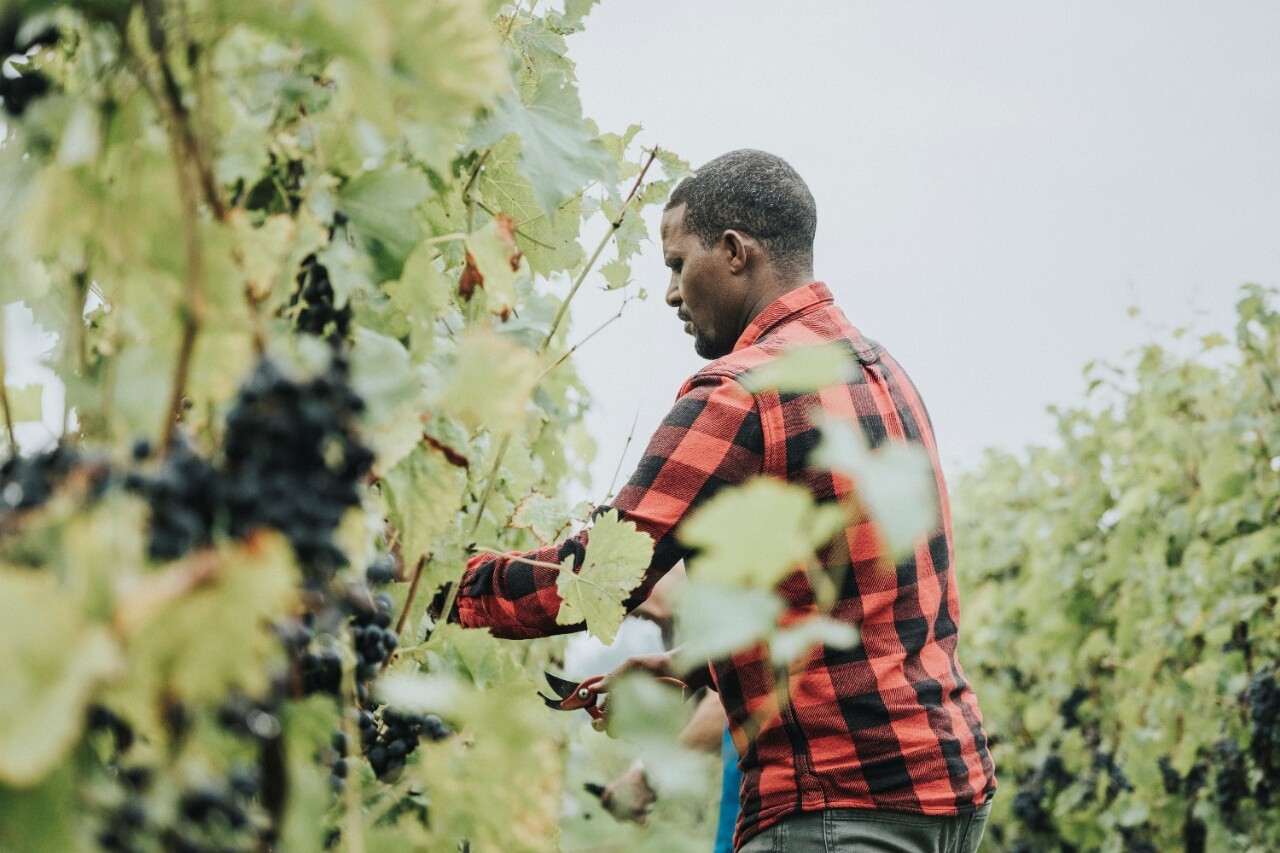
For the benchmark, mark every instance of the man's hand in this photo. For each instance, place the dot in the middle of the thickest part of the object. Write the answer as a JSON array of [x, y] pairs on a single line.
[[628, 797], [660, 664]]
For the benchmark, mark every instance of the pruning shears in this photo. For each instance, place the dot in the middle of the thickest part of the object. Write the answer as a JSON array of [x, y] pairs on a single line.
[[585, 695]]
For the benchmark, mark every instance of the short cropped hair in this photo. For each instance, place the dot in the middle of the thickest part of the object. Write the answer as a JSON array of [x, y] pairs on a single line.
[[756, 193]]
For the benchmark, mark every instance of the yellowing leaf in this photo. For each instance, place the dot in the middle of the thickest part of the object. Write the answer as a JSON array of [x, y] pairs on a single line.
[[616, 560], [498, 261], [757, 534], [490, 383], [802, 370], [52, 664]]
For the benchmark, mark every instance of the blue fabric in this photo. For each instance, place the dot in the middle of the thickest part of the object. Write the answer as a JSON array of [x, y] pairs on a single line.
[[730, 786]]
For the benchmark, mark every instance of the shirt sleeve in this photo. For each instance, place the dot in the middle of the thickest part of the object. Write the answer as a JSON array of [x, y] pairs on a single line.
[[711, 438]]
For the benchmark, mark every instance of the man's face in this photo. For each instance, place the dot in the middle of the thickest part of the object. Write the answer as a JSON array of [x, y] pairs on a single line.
[[702, 288]]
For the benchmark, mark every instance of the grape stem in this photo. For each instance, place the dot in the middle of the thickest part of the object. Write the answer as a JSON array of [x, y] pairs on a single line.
[[195, 185], [4, 392], [595, 256], [408, 601], [613, 482]]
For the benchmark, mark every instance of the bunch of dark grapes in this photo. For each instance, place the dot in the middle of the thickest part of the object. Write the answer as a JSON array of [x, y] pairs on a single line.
[[1264, 710], [1169, 777], [1029, 810], [27, 482], [315, 298], [19, 91], [373, 638], [1117, 781], [338, 769], [1070, 707], [211, 813], [381, 571], [125, 827], [185, 496], [290, 461], [293, 462], [389, 744], [321, 672], [1230, 785]]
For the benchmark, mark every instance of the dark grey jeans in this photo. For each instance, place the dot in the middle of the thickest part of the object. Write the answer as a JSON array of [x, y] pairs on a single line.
[[874, 831]]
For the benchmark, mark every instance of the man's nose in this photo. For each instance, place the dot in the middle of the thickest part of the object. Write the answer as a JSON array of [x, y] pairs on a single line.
[[673, 293]]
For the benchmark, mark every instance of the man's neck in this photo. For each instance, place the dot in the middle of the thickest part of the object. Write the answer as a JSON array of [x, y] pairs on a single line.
[[765, 292]]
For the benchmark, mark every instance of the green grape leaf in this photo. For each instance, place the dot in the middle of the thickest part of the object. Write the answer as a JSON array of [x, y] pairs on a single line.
[[308, 728], [490, 382], [616, 560], [757, 534], [542, 515], [232, 593], [649, 715], [263, 252], [52, 665], [382, 208], [617, 274], [42, 818], [716, 620], [548, 240], [423, 493], [422, 293], [802, 370], [795, 641], [382, 375], [896, 483], [558, 154]]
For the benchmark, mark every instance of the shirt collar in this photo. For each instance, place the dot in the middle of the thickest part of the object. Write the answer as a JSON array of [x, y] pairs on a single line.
[[789, 305]]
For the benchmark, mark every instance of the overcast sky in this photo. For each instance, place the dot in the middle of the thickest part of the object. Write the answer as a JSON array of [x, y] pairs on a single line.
[[996, 183]]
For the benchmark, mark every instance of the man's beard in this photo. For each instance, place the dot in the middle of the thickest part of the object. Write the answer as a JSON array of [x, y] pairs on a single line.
[[708, 348]]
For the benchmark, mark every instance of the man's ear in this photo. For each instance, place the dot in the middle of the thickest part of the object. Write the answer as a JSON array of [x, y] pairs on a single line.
[[738, 249]]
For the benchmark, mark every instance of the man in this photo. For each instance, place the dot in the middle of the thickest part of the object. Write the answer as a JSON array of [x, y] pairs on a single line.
[[881, 747]]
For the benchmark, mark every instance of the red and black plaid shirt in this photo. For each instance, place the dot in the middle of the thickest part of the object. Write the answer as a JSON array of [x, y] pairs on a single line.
[[891, 724]]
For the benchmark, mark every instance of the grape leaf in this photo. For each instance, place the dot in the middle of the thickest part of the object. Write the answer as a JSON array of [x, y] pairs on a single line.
[[716, 620], [896, 483], [540, 514], [52, 664], [423, 493], [381, 206], [422, 293], [617, 274], [558, 155], [757, 534], [617, 557], [490, 382], [42, 818], [802, 370], [548, 240], [497, 260], [232, 593]]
